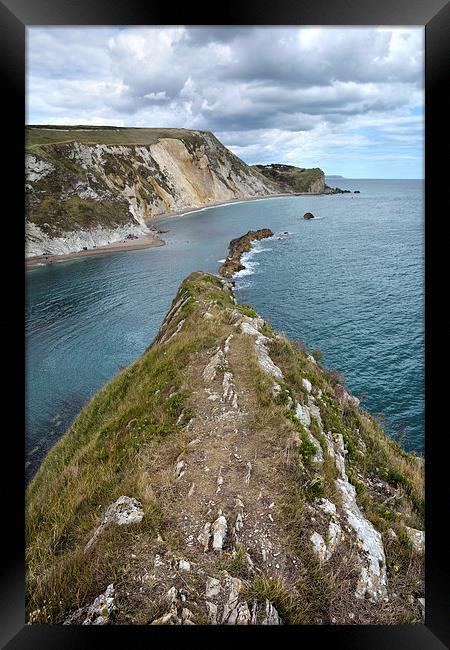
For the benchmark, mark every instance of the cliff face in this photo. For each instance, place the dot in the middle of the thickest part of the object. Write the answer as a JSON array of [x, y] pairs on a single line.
[[94, 186], [225, 477]]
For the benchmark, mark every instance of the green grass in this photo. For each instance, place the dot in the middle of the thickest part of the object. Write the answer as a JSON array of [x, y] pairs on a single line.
[[290, 178], [247, 310], [280, 595], [44, 135], [110, 448], [101, 457]]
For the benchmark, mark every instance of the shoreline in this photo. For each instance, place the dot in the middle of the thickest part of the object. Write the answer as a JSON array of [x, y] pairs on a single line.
[[145, 241], [148, 241], [164, 216]]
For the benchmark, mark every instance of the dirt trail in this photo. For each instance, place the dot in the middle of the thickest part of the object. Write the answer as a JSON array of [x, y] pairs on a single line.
[[226, 469]]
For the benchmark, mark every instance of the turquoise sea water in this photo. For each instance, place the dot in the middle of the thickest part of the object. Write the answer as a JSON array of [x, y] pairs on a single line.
[[349, 282]]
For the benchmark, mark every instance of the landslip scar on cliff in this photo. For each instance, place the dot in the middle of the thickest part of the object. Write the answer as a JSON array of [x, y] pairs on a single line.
[[87, 187], [225, 478]]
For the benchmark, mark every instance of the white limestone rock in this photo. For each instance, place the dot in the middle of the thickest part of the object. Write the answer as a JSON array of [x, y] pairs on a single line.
[[212, 612], [204, 536], [317, 459], [179, 467], [243, 614], [307, 385], [99, 612], [272, 616], [229, 392], [231, 606], [124, 511], [210, 371], [333, 538], [372, 583], [213, 587], [417, 538], [319, 545], [219, 531], [327, 506], [302, 413]]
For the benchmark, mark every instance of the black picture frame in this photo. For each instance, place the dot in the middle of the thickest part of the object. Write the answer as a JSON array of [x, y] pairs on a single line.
[[434, 15]]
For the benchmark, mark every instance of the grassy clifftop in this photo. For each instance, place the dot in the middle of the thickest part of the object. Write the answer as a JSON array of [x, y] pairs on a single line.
[[258, 490]]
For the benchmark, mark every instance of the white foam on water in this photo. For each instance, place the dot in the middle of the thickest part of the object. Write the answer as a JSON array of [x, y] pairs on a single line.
[[246, 261]]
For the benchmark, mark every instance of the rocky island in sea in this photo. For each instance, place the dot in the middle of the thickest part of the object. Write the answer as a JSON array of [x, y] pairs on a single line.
[[238, 247], [225, 478]]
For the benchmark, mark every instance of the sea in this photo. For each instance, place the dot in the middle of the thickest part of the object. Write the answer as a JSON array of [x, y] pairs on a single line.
[[349, 282]]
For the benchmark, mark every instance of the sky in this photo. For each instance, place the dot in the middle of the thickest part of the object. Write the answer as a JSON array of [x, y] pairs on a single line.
[[349, 100]]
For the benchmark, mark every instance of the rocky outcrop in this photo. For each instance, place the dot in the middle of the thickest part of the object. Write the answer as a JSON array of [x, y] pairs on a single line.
[[238, 247], [308, 215], [260, 493]]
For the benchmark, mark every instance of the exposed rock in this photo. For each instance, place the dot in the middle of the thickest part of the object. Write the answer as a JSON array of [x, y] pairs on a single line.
[[229, 392], [417, 538], [124, 511], [327, 506], [308, 215], [243, 614], [265, 362], [317, 459], [307, 385], [204, 536], [210, 370], [333, 538], [239, 246], [373, 579], [179, 467], [124, 186], [219, 531], [296, 180], [184, 565], [315, 413], [272, 617], [213, 587], [303, 414], [319, 546], [231, 607], [187, 616], [212, 612], [100, 611]]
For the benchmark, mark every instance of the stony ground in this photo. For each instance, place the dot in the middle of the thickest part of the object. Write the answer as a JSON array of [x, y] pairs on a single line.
[[261, 522]]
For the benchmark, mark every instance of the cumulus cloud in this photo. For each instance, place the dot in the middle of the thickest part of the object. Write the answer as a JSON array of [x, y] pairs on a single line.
[[324, 96]]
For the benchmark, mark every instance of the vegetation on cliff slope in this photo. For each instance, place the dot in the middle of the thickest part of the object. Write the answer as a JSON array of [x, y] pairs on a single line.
[[223, 420], [294, 179]]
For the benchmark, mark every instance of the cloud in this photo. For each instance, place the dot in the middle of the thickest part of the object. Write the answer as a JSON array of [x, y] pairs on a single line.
[[283, 92]]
